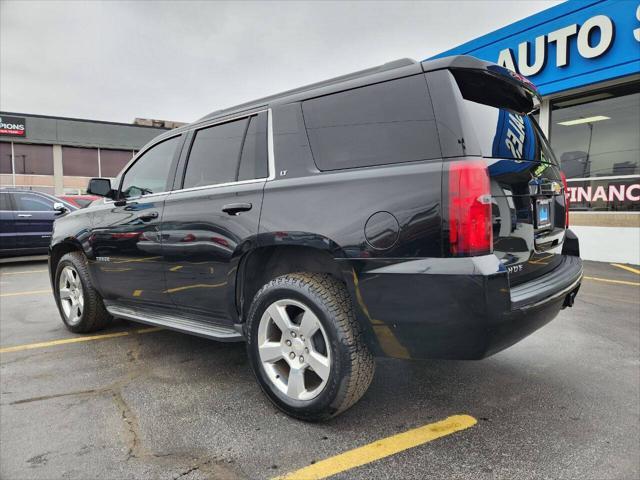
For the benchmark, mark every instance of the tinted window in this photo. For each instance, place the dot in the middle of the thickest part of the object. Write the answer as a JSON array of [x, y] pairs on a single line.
[[33, 159], [4, 201], [215, 154], [32, 202], [389, 122], [149, 174], [254, 160], [80, 162], [5, 157], [497, 109]]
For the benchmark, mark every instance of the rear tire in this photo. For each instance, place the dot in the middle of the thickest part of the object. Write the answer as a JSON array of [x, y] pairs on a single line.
[[79, 303], [315, 377]]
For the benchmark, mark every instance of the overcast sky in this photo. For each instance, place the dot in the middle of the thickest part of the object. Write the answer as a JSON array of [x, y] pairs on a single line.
[[118, 60]]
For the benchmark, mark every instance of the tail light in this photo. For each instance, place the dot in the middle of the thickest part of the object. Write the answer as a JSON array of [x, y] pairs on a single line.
[[567, 199], [470, 226]]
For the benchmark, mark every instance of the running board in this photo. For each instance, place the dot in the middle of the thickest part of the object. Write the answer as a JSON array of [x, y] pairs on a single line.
[[185, 325]]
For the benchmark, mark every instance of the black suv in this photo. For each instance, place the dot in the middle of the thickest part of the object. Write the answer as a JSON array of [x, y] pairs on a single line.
[[411, 210]]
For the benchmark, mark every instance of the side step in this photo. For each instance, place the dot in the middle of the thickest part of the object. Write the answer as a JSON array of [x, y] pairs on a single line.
[[185, 325]]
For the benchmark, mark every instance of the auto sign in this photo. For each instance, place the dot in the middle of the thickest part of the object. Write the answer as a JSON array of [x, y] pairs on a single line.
[[13, 126]]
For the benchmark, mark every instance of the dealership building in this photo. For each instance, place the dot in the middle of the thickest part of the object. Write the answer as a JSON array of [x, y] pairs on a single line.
[[584, 57], [59, 155]]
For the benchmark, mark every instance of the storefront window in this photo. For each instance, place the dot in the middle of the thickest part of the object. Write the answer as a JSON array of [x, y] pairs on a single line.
[[33, 159], [596, 138], [80, 162], [5, 157], [112, 161]]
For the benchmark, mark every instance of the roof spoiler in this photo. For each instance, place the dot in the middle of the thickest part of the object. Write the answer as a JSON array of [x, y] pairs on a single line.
[[473, 63]]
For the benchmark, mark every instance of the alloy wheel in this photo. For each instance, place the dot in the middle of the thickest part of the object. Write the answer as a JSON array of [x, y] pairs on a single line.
[[70, 294], [294, 349]]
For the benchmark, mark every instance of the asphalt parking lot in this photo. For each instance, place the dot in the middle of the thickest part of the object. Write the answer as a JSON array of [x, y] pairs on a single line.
[[148, 403]]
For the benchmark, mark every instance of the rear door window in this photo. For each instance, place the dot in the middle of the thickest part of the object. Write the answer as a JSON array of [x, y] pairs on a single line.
[[254, 159], [5, 202], [385, 123], [215, 153], [31, 202]]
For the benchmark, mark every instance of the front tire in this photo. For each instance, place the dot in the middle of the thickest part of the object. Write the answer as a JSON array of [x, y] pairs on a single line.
[[79, 303], [306, 348]]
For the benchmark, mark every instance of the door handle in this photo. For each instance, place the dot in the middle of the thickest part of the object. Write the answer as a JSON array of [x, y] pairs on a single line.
[[25, 215], [145, 217], [236, 208]]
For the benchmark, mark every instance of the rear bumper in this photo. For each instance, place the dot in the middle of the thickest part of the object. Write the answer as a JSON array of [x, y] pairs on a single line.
[[454, 308]]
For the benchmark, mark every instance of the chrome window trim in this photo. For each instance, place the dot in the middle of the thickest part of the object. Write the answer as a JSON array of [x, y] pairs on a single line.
[[270, 157]]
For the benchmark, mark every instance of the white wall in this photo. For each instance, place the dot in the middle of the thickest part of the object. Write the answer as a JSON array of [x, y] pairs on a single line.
[[609, 244]]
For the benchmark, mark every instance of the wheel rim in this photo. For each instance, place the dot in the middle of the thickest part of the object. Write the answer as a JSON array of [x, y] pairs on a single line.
[[294, 349], [70, 294]]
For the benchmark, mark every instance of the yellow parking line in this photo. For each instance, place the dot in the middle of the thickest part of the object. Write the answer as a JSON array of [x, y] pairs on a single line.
[[23, 272], [64, 341], [381, 448], [609, 280], [17, 294], [627, 267]]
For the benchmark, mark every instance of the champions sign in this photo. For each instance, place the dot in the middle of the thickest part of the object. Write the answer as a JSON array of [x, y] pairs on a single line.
[[13, 126]]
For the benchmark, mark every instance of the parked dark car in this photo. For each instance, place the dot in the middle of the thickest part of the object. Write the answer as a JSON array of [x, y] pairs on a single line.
[[80, 201], [26, 221], [412, 210]]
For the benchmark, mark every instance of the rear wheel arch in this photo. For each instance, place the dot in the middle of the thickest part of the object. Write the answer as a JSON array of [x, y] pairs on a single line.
[[263, 264]]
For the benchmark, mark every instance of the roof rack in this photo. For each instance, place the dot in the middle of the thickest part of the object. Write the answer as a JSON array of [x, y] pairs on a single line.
[[401, 62]]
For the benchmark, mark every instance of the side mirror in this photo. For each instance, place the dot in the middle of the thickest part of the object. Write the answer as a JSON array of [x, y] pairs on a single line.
[[59, 208], [100, 187]]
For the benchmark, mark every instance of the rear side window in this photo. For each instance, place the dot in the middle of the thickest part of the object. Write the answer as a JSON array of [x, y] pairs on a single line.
[[254, 160], [228, 152], [214, 155], [30, 202], [5, 202], [390, 122]]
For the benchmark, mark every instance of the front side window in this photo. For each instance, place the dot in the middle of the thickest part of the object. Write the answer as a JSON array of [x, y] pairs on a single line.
[[215, 153], [150, 173], [379, 124], [31, 202]]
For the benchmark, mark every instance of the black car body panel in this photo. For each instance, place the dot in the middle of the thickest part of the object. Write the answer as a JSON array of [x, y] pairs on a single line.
[[202, 249]]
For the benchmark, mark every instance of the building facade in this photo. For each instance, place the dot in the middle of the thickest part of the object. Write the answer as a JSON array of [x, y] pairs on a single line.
[[59, 155], [584, 57]]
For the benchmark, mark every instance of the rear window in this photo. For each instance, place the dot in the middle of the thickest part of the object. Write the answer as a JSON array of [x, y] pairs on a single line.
[[385, 123], [499, 113]]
